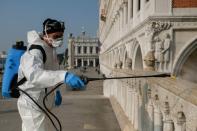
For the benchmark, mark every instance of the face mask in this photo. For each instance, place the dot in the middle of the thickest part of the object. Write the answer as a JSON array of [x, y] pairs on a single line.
[[57, 42]]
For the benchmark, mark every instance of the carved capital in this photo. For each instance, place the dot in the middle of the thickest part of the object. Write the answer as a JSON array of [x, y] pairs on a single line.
[[149, 60], [156, 27], [128, 63]]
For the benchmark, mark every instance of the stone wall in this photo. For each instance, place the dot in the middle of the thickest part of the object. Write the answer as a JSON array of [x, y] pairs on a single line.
[[151, 38]]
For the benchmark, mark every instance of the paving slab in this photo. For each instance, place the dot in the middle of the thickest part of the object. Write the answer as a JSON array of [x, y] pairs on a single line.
[[86, 110]]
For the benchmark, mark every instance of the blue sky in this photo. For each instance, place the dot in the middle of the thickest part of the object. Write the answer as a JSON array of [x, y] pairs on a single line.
[[17, 17]]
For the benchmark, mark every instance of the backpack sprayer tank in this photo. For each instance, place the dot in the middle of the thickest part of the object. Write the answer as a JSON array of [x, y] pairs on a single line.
[[11, 68]]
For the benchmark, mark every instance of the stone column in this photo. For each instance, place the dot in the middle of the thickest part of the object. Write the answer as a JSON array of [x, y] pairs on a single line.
[[121, 21], [129, 103], [133, 105], [116, 26], [119, 91], [125, 13], [168, 124], [71, 52], [82, 62], [76, 62], [129, 9], [88, 49], [135, 8], [150, 119], [94, 50], [82, 50], [94, 62], [88, 62], [158, 125], [76, 47], [119, 25], [143, 2]]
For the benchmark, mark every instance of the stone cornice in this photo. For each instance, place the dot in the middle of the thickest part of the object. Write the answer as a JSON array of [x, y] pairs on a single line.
[[172, 19]]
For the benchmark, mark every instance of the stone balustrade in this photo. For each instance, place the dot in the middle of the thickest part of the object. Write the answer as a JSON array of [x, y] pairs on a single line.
[[154, 104]]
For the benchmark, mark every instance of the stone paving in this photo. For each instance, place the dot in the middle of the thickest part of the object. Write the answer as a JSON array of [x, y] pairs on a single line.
[[86, 110]]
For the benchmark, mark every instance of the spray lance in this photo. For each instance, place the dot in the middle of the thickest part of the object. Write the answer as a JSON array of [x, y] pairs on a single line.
[[86, 79]]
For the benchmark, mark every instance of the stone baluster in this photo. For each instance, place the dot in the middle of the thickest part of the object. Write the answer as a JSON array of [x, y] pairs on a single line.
[[168, 124]]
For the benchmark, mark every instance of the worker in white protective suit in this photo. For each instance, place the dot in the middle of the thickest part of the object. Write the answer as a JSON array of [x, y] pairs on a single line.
[[42, 75]]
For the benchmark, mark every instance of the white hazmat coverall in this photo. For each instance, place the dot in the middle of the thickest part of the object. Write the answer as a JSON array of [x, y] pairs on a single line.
[[39, 76]]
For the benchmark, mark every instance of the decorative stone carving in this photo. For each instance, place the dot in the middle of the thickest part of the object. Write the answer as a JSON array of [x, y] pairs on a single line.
[[119, 64], [149, 60], [158, 53], [103, 15], [166, 51], [128, 63], [154, 29], [158, 49]]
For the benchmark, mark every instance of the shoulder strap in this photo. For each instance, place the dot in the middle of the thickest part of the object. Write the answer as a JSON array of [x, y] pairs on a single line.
[[39, 47], [22, 81]]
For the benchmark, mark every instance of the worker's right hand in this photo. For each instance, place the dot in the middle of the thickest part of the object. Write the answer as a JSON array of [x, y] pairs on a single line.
[[74, 81]]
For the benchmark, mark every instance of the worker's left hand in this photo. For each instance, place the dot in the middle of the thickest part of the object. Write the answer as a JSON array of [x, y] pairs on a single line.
[[58, 98]]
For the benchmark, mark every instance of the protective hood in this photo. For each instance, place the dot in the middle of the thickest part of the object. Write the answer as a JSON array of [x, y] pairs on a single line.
[[33, 37]]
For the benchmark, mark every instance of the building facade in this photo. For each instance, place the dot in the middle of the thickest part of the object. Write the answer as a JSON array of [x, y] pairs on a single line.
[[146, 37], [83, 51], [3, 56]]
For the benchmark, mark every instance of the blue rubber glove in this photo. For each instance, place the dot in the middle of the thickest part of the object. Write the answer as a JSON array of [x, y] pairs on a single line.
[[58, 98], [74, 81]]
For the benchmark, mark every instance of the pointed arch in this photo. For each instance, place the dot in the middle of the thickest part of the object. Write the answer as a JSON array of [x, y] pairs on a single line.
[[185, 64], [137, 57]]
